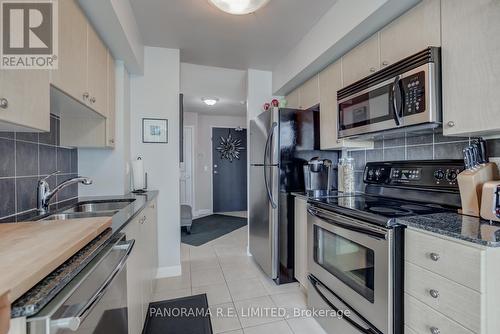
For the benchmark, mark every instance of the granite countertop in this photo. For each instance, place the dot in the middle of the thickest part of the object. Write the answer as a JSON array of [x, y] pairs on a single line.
[[454, 225], [39, 295]]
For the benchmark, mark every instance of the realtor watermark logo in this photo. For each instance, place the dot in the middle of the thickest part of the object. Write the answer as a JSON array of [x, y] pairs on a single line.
[[29, 34]]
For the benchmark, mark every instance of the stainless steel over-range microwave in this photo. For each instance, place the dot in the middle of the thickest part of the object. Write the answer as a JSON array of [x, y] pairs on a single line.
[[405, 94]]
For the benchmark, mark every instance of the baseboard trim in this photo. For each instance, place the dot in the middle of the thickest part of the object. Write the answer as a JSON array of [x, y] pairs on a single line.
[[165, 272], [202, 213]]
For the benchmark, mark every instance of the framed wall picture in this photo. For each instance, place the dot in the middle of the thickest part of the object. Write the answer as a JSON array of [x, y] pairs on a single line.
[[154, 130]]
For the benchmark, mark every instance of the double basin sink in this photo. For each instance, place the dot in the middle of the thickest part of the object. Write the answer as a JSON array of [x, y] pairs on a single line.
[[90, 209]]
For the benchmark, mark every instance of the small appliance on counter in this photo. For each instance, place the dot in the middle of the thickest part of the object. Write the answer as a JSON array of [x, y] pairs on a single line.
[[490, 201], [478, 171], [139, 178], [317, 177]]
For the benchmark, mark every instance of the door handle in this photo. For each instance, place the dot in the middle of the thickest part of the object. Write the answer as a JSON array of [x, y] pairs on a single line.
[[73, 322], [317, 284], [397, 94], [268, 189]]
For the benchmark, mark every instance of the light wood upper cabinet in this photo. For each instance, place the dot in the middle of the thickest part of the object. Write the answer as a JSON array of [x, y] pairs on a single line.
[[24, 100], [293, 99], [70, 77], [361, 61], [309, 93], [412, 32], [471, 67], [110, 110], [330, 81], [97, 71]]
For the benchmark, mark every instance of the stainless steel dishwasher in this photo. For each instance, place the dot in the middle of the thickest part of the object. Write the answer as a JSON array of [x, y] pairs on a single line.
[[95, 301]]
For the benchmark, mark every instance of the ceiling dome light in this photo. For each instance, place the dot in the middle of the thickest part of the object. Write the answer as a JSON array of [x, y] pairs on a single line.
[[239, 7], [210, 101]]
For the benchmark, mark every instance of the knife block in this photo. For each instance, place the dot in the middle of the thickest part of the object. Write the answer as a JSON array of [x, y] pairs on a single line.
[[470, 183]]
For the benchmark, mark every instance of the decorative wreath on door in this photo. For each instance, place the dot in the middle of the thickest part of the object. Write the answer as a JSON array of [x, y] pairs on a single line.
[[230, 148]]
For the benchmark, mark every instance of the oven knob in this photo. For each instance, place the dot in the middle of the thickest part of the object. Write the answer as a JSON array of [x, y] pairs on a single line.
[[439, 174], [451, 176], [378, 173]]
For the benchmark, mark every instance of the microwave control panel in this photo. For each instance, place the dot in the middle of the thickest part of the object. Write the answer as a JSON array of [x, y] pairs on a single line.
[[414, 93], [426, 175]]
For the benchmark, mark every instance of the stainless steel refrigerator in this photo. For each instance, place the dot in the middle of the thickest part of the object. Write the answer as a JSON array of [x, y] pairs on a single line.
[[281, 141]]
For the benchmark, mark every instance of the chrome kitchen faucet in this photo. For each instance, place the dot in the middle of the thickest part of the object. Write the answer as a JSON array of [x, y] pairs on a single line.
[[44, 194]]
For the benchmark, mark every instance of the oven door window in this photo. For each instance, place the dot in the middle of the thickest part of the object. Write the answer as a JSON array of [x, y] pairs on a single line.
[[350, 262], [369, 108]]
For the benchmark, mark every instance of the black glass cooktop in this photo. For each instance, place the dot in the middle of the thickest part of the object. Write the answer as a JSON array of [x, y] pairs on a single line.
[[377, 209]]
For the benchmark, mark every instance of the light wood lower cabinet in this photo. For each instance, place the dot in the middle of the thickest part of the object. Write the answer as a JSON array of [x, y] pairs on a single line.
[[450, 285], [141, 266], [300, 218], [425, 320]]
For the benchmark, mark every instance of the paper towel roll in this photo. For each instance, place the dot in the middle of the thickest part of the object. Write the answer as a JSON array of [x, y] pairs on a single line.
[[138, 174]]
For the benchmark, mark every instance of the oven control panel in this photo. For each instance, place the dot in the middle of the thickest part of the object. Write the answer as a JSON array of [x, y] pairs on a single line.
[[427, 174]]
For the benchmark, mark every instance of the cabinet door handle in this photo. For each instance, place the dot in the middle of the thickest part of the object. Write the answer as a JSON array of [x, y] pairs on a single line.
[[451, 124], [92, 100], [385, 63], [111, 141], [434, 257], [372, 69], [86, 96], [4, 103], [434, 293], [435, 330]]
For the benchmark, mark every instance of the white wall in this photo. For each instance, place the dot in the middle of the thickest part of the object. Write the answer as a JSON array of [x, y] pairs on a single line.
[[259, 91], [115, 22], [156, 95], [342, 27], [203, 125], [111, 174]]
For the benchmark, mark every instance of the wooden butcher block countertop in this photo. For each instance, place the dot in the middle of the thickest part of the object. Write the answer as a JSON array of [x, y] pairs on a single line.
[[32, 250]]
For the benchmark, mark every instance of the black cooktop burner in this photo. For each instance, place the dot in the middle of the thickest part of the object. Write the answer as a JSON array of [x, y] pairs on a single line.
[[377, 209]]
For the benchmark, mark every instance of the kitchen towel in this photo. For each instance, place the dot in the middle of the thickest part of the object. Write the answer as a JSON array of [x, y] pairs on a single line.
[[138, 174]]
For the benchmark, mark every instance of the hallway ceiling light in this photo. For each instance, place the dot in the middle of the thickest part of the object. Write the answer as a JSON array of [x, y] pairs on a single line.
[[239, 7], [210, 101]]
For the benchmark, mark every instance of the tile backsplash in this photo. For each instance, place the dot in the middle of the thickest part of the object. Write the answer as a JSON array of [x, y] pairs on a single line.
[[425, 147], [25, 158]]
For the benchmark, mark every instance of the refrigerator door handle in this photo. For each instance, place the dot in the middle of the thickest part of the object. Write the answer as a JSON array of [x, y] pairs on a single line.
[[268, 189]]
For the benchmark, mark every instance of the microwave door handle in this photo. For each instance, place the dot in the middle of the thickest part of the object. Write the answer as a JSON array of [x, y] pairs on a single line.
[[396, 91], [73, 322], [367, 329]]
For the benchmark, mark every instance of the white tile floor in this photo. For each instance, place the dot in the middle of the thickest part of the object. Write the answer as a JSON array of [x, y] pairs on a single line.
[[234, 284]]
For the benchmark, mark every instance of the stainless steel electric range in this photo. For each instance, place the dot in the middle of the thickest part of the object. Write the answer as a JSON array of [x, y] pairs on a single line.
[[356, 247]]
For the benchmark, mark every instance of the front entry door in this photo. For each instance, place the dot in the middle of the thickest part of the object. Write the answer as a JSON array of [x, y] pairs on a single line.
[[229, 169]]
